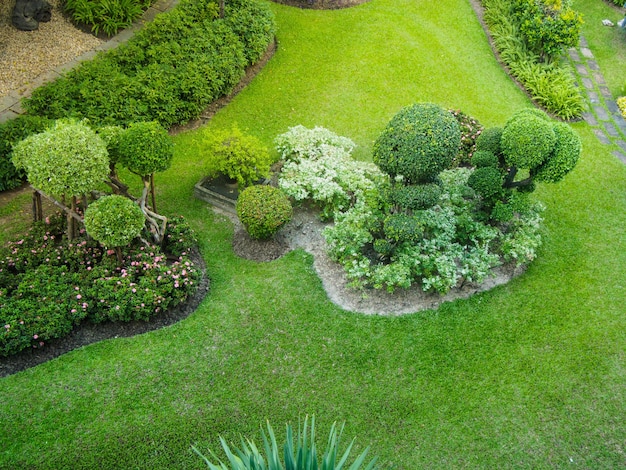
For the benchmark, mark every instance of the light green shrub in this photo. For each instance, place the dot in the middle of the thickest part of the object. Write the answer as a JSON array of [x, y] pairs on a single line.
[[114, 221], [263, 210], [145, 148]]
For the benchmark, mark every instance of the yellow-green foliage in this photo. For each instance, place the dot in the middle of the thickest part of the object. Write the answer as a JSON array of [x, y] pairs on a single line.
[[263, 210]]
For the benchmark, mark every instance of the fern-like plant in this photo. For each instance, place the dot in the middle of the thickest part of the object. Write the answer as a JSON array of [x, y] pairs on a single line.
[[298, 454]]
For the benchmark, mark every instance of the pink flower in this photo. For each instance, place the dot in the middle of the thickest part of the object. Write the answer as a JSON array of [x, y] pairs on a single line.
[[35, 336], [79, 296]]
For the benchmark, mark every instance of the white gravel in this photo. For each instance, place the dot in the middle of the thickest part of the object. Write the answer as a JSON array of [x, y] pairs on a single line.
[[25, 55]]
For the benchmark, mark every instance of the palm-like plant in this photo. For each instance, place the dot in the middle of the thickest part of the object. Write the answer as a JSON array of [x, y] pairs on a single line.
[[299, 454]]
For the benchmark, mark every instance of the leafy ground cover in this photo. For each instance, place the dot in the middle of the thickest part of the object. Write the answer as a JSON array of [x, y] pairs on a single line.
[[530, 374]]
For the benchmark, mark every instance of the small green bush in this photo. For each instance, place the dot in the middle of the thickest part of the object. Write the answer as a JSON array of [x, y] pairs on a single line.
[[563, 159], [263, 210], [12, 132], [106, 16], [484, 158], [486, 181], [145, 148], [235, 155], [527, 141], [415, 197], [418, 143], [403, 228], [114, 220], [489, 140]]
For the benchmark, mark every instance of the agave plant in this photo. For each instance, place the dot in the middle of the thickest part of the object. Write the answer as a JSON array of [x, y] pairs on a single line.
[[298, 454]]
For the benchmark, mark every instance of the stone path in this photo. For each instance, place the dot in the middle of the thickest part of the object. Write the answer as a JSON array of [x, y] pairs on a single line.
[[602, 113]]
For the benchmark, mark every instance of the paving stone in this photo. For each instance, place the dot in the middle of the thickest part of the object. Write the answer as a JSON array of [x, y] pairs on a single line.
[[599, 78], [612, 106], [590, 119], [7, 116], [593, 97], [602, 113], [621, 144], [620, 155], [7, 101], [588, 83], [606, 93], [581, 69], [611, 129], [573, 53], [601, 136], [149, 15], [586, 52], [593, 65], [583, 41]]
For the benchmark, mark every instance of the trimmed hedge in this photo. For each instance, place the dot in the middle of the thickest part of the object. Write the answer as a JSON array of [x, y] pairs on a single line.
[[263, 210], [168, 72]]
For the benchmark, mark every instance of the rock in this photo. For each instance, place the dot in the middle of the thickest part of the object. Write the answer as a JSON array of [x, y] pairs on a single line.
[[607, 23], [27, 14]]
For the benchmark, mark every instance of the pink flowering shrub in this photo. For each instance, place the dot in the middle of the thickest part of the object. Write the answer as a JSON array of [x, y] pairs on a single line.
[[49, 285]]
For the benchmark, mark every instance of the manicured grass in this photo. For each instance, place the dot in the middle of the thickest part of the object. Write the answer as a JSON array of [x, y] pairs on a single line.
[[528, 375]]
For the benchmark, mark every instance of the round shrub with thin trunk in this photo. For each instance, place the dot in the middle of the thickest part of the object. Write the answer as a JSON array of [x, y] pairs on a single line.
[[111, 136], [564, 157], [527, 141], [145, 148], [68, 159], [114, 221], [263, 210], [418, 143]]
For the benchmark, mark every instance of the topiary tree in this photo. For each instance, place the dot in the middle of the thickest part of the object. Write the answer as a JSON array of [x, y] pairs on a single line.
[[114, 221], [565, 154], [146, 148], [67, 161], [418, 143], [263, 210]]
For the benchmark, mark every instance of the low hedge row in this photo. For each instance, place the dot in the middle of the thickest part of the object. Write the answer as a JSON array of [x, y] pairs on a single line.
[[168, 72]]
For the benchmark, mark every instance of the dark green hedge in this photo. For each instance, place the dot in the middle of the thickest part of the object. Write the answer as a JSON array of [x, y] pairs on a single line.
[[168, 72]]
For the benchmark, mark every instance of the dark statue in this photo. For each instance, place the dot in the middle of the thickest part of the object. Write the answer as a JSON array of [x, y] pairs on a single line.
[[27, 14]]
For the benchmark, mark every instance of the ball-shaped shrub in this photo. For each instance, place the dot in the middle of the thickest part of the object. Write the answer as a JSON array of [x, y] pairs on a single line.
[[487, 182], [418, 143], [111, 137], [69, 159], [145, 148], [263, 210], [416, 196], [484, 158], [527, 141], [489, 140], [114, 221], [564, 157], [534, 112]]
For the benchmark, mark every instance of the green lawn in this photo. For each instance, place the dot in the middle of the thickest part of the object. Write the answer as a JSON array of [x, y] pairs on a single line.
[[528, 375]]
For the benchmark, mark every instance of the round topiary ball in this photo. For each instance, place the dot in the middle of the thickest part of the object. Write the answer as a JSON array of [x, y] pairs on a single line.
[[263, 210], [527, 141], [145, 148], [416, 196], [114, 220], [566, 153], [489, 140], [418, 143], [483, 158], [487, 182]]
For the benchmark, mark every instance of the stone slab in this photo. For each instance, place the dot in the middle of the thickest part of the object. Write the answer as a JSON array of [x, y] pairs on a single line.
[[593, 97], [611, 129], [612, 107], [620, 155], [7, 116], [590, 119], [593, 65], [621, 144], [582, 70], [573, 53], [586, 52], [601, 136], [599, 78], [602, 113], [606, 93], [583, 41], [588, 83], [7, 101]]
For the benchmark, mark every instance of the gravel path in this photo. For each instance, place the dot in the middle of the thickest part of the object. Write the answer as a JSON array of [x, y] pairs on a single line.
[[24, 55]]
